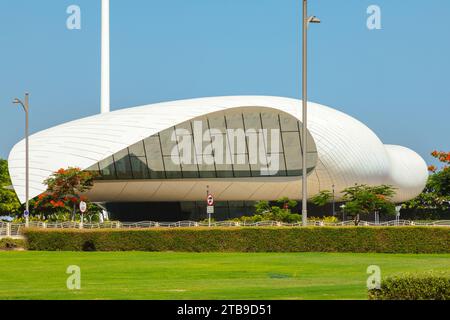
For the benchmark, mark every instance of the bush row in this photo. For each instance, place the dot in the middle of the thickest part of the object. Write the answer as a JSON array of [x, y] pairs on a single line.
[[246, 239], [413, 287], [11, 244]]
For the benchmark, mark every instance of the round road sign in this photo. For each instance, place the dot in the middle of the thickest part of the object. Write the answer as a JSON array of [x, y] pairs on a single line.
[[210, 200], [83, 207]]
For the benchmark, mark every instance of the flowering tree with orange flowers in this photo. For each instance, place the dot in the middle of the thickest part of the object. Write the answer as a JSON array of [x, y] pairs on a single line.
[[65, 189], [364, 199], [436, 195]]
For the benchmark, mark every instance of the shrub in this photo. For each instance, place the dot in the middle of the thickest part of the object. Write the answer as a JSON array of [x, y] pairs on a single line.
[[327, 219], [10, 244], [413, 287], [246, 239], [281, 212]]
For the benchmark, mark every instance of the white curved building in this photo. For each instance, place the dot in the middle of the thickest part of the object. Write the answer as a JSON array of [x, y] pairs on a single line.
[[142, 156]]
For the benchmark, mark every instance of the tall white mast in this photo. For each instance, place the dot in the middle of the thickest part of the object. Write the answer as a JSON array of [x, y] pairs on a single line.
[[105, 65]]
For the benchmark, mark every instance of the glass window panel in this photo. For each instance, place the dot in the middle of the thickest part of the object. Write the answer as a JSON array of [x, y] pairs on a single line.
[[221, 213], [139, 167], [172, 166], [167, 143], [202, 137], [200, 132], [157, 174], [311, 143], [234, 121], [256, 148], [206, 166], [187, 205], [137, 149], [123, 164], [107, 168], [224, 170], [186, 149], [221, 204], [217, 123], [207, 144], [184, 128], [221, 150], [240, 159], [311, 159], [207, 172], [292, 151], [288, 123], [154, 157], [252, 120], [237, 141], [236, 203], [95, 169], [272, 141], [218, 139], [236, 208], [270, 120], [222, 156], [249, 204], [241, 170], [189, 170], [291, 141], [256, 170], [276, 165], [258, 164]]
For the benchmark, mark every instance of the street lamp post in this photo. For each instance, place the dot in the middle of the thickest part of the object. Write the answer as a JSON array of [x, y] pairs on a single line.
[[343, 213], [306, 21], [334, 203], [25, 106]]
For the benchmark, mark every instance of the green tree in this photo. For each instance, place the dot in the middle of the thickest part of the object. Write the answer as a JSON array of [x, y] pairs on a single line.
[[322, 198], [264, 211], [262, 207], [364, 199], [436, 195], [286, 203], [9, 203]]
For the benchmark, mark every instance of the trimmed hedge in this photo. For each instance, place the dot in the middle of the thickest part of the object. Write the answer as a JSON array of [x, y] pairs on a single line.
[[413, 287], [246, 239], [11, 244]]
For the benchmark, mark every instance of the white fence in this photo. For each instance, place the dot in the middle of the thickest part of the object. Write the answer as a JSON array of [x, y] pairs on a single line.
[[15, 229]]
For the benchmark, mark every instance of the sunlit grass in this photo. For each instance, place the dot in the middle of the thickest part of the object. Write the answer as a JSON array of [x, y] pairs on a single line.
[[148, 275]]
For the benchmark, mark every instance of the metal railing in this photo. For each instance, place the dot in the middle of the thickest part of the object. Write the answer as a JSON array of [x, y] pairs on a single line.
[[8, 229]]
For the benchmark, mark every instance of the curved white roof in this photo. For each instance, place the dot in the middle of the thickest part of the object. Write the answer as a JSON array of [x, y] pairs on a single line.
[[348, 151]]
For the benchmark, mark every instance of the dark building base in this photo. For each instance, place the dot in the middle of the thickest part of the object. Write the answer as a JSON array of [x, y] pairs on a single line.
[[226, 210], [194, 211], [176, 211]]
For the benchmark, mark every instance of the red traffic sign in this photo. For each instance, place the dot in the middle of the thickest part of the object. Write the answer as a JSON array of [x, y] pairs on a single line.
[[210, 200]]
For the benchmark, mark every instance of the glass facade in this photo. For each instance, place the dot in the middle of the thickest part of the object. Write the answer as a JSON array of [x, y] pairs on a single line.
[[244, 144]]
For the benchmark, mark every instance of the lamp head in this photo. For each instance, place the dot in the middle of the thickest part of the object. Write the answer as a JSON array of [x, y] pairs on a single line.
[[313, 19], [16, 101]]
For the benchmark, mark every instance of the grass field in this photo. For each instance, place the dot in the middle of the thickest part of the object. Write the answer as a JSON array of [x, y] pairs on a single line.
[[146, 275]]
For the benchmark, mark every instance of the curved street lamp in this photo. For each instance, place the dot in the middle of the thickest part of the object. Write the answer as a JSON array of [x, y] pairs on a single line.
[[25, 106]]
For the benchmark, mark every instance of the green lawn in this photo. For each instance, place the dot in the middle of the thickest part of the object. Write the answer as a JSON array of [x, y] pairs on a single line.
[[146, 275]]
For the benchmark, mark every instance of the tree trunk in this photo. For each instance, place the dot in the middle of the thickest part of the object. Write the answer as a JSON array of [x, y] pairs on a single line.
[[357, 220]]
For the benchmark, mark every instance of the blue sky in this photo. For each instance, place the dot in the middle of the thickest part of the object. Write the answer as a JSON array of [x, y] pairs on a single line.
[[396, 80]]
